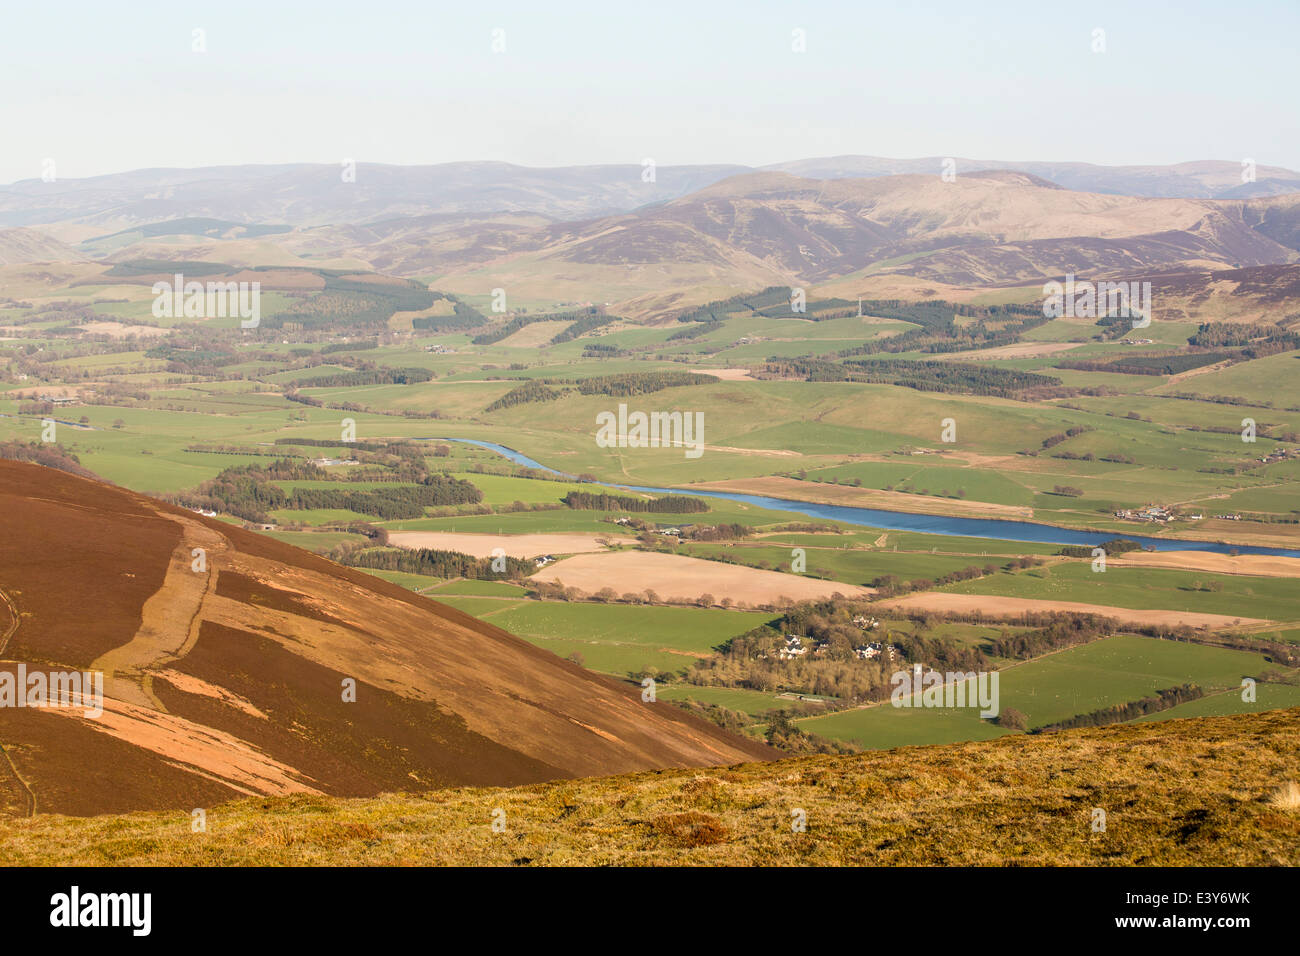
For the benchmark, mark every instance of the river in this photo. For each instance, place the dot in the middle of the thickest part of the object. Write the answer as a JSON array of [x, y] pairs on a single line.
[[997, 529]]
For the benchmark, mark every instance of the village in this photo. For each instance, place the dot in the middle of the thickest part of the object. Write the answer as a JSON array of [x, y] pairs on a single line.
[[1280, 453], [1163, 514], [1149, 513]]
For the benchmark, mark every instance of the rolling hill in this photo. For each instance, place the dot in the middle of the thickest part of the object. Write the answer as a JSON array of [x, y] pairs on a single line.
[[28, 245], [228, 658]]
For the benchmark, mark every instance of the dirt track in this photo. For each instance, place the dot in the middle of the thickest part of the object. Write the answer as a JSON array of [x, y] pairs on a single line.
[[170, 619]]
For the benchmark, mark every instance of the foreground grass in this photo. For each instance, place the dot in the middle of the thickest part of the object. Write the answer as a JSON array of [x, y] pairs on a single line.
[[1212, 791]]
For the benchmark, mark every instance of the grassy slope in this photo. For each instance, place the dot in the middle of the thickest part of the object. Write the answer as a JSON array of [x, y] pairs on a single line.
[[1175, 792]]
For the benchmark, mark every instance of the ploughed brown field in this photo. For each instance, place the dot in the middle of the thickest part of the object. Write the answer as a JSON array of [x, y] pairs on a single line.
[[229, 680], [677, 577], [1009, 607]]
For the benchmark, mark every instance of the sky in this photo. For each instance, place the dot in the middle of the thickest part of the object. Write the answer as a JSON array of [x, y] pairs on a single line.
[[104, 87]]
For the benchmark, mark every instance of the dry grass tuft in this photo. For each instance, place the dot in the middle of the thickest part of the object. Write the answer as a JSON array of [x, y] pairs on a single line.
[[690, 829], [1286, 797]]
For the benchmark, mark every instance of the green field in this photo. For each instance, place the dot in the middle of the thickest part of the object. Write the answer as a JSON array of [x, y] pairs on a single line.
[[738, 699], [1079, 680], [856, 566], [615, 639]]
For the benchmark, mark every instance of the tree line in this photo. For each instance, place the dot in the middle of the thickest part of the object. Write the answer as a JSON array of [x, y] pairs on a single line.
[[1113, 546], [530, 391], [375, 376], [250, 492], [1057, 634], [640, 383], [1160, 364], [431, 562], [600, 501], [581, 326], [927, 376], [463, 318], [1221, 334], [49, 454], [590, 318]]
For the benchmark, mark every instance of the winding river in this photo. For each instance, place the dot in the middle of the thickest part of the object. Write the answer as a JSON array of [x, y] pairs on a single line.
[[995, 528]]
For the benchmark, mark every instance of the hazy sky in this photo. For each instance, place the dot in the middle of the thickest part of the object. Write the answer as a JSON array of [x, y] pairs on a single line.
[[106, 87]]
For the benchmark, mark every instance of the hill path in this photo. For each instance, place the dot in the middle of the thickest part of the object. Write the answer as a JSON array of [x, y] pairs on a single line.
[[170, 619]]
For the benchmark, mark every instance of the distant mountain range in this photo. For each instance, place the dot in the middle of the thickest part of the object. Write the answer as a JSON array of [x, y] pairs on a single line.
[[304, 194], [1206, 179], [771, 228], [693, 234]]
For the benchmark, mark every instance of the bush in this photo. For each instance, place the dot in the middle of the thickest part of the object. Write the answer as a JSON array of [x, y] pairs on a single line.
[[1013, 719]]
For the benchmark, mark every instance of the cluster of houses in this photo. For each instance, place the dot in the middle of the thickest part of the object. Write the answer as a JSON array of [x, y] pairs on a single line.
[[1162, 514], [60, 401], [1136, 341], [1148, 513], [542, 560], [794, 646], [440, 350], [327, 462], [1169, 516], [1280, 454], [204, 511], [673, 532]]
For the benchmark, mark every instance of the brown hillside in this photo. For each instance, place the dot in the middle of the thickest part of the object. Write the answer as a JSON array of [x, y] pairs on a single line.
[[28, 245], [229, 681]]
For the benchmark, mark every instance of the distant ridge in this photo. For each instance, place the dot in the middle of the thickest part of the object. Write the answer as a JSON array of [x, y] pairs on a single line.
[[315, 193]]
